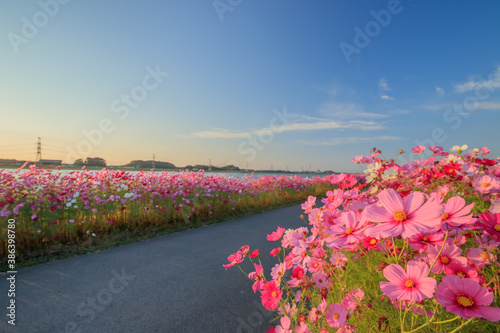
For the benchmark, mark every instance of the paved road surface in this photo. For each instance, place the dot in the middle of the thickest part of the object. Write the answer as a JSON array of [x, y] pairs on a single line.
[[173, 283]]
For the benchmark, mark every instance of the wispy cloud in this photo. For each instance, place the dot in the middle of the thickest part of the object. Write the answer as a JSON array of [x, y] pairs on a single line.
[[383, 87], [474, 82], [297, 126], [336, 141], [440, 91], [487, 105], [346, 110]]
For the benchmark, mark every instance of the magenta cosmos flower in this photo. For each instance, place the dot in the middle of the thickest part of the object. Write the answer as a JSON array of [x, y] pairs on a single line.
[[412, 285], [405, 217], [491, 224], [271, 295], [466, 298]]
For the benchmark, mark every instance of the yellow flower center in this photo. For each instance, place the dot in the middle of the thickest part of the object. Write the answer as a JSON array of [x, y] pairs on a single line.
[[338, 259], [497, 227], [444, 216], [336, 315], [445, 260], [484, 255], [274, 294], [399, 216], [409, 284], [373, 241], [484, 184], [360, 210], [348, 231], [460, 274], [464, 301]]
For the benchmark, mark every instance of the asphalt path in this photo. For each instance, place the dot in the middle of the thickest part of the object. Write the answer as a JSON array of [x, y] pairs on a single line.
[[173, 283]]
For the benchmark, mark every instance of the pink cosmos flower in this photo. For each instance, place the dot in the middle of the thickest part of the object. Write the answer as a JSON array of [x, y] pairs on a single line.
[[419, 242], [436, 149], [491, 224], [278, 271], [271, 295], [234, 259], [466, 298], [320, 279], [336, 315], [485, 184], [258, 276], [357, 159], [285, 325], [347, 328], [318, 312], [276, 235], [495, 206], [302, 328], [338, 259], [413, 285], [455, 212], [405, 217], [353, 299], [480, 257], [309, 204], [347, 230], [451, 253], [418, 149], [461, 270]]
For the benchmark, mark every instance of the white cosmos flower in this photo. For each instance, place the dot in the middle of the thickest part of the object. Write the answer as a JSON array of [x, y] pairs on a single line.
[[459, 149], [389, 174], [372, 168]]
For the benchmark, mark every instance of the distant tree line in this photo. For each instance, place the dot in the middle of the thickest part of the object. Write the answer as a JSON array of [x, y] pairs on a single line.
[[214, 168], [149, 164], [91, 161]]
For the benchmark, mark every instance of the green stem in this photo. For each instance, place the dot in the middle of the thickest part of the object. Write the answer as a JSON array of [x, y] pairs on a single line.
[[440, 250], [459, 327]]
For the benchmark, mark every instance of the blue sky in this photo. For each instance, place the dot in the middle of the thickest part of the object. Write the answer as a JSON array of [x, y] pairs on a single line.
[[251, 83]]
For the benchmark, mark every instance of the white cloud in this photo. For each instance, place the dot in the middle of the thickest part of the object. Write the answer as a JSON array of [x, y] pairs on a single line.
[[487, 105], [383, 86], [349, 140], [346, 110], [479, 82], [440, 91], [298, 126]]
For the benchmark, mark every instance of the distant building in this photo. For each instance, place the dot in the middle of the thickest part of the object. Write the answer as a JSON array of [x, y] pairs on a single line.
[[50, 162]]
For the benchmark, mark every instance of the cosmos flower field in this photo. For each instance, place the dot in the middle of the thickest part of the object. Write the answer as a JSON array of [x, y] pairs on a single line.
[[54, 210], [397, 248]]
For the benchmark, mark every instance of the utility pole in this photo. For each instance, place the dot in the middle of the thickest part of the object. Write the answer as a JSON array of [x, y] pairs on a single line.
[[39, 151], [209, 164], [154, 162], [309, 167]]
